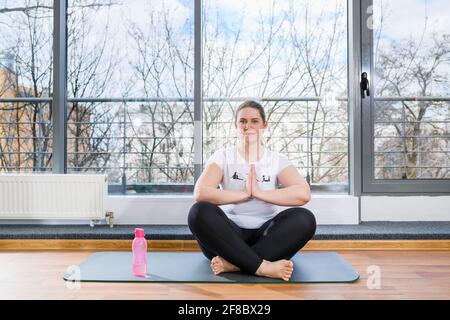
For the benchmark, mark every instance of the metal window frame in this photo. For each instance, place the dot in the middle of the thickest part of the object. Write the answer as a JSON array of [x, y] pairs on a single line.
[[198, 90], [370, 185], [59, 103], [354, 101]]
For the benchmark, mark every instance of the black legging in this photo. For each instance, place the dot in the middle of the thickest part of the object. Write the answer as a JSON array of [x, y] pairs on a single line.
[[278, 238]]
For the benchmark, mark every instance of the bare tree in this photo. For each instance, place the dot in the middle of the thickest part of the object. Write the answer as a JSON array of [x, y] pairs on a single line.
[[164, 68], [277, 60], [231, 59], [46, 5], [414, 67], [30, 123], [30, 48], [90, 71]]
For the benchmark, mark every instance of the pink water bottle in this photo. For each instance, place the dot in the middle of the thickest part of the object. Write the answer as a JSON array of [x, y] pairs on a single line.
[[139, 253]]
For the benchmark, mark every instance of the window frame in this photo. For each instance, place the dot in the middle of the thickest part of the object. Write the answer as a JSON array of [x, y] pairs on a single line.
[[370, 185]]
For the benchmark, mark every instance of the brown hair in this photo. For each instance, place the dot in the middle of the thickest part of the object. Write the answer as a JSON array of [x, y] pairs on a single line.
[[251, 104]]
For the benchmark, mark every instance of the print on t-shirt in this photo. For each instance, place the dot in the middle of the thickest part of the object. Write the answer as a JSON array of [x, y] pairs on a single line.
[[238, 176]]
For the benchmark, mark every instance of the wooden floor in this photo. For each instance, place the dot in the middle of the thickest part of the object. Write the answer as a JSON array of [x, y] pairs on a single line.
[[403, 275]]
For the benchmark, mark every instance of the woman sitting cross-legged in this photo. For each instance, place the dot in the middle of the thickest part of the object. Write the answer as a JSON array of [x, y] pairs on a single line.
[[238, 226]]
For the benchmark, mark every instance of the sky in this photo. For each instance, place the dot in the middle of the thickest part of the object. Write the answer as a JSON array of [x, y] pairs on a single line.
[[407, 17], [403, 18]]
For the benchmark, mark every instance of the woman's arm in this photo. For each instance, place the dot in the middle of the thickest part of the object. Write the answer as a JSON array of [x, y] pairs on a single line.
[[206, 188], [295, 191]]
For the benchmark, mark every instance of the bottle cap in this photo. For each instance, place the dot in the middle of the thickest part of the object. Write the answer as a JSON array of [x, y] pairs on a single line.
[[139, 232]]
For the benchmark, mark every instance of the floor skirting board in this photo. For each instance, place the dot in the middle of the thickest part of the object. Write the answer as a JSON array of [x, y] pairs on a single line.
[[191, 245]]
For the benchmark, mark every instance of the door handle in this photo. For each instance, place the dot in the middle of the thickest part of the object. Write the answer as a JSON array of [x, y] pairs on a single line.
[[365, 91]]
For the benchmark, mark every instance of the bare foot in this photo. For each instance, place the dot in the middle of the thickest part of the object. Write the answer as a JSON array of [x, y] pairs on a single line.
[[281, 269], [219, 265]]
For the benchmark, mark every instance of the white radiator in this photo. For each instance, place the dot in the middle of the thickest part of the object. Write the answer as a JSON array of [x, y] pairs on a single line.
[[54, 196]]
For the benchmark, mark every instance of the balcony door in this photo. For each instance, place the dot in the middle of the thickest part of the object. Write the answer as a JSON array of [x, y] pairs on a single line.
[[405, 96]]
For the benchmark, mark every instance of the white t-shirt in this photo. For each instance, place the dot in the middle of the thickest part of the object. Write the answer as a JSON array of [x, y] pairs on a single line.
[[253, 213]]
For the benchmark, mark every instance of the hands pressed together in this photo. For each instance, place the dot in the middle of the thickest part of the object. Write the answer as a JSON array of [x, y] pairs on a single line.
[[251, 186]]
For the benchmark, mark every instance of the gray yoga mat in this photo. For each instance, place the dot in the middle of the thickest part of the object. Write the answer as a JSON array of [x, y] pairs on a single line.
[[194, 267]]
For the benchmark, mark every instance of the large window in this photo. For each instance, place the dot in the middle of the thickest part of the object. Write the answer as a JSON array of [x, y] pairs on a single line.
[[292, 56], [130, 83], [412, 63], [134, 75], [25, 85], [408, 135]]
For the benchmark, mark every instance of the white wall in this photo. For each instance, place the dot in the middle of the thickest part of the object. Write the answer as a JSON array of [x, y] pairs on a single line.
[[174, 209], [408, 208], [328, 209]]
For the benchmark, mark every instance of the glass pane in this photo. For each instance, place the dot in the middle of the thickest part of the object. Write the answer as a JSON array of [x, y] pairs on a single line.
[[275, 49], [130, 85], [388, 130], [26, 137], [26, 29], [26, 73], [388, 111], [94, 146], [150, 145], [412, 103]]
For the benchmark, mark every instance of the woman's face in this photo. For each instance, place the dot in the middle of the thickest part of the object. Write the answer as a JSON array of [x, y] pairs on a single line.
[[250, 125]]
